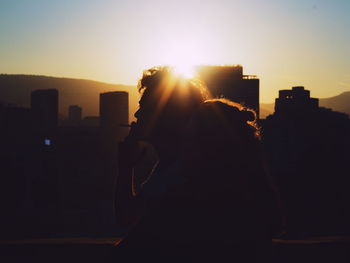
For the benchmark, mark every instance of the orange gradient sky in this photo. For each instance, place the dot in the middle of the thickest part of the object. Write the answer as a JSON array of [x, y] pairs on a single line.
[[285, 43]]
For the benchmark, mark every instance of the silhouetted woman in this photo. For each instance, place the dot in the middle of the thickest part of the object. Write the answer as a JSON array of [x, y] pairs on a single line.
[[232, 208], [210, 194], [168, 101]]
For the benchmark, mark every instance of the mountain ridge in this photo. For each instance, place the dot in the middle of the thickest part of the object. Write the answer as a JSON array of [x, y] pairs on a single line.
[[16, 89], [64, 78]]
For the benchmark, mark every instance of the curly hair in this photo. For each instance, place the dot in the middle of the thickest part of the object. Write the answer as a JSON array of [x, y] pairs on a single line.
[[152, 78], [237, 112], [222, 118], [174, 98]]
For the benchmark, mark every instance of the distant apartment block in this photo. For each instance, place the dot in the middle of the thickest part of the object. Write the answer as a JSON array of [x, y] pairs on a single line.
[[296, 100], [74, 113], [229, 82], [44, 104], [114, 113]]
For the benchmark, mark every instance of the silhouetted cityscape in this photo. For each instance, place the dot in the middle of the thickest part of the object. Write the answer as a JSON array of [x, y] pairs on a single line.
[[58, 174], [57, 177]]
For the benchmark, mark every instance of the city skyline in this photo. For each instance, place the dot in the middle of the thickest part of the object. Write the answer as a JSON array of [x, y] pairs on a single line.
[[284, 43], [186, 129]]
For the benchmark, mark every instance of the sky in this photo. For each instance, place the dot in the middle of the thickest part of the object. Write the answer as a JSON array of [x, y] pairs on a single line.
[[284, 43]]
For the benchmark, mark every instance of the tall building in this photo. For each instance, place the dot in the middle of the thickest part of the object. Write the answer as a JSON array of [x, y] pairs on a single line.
[[74, 113], [295, 101], [229, 82], [307, 150], [44, 104], [114, 114]]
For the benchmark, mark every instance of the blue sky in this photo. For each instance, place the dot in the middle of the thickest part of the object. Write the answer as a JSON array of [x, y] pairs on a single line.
[[285, 43]]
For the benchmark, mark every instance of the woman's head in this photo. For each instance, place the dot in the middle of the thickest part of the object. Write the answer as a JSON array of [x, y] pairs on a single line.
[[168, 100], [224, 120], [222, 139]]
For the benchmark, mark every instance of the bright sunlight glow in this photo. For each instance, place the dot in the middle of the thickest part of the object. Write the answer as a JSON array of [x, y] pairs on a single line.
[[184, 70], [184, 54]]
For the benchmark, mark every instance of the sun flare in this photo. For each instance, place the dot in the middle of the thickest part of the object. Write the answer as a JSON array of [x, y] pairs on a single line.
[[184, 70], [184, 55]]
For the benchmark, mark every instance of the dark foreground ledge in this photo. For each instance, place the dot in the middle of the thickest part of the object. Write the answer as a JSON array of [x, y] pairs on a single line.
[[323, 249]]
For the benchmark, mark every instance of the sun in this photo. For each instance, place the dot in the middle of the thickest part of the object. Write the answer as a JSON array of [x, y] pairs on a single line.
[[185, 70], [184, 52], [184, 56]]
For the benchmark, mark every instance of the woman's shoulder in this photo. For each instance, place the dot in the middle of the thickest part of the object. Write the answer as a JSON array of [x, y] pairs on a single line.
[[166, 180]]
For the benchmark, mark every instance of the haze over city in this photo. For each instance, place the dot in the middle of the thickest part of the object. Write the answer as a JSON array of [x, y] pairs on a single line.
[[284, 43]]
